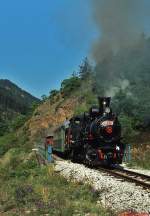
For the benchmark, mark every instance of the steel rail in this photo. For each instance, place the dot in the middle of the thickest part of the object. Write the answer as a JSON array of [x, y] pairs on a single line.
[[123, 174], [131, 176]]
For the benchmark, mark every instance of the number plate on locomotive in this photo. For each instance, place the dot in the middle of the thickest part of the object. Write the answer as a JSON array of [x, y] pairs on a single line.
[[107, 123]]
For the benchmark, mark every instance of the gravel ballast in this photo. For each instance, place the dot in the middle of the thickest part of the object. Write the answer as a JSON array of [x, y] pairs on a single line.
[[113, 193]]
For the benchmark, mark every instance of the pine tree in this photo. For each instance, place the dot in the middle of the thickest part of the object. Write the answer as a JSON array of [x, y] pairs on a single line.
[[85, 69]]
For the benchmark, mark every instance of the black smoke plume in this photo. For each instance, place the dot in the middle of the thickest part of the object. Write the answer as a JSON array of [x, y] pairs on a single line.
[[118, 51], [120, 23]]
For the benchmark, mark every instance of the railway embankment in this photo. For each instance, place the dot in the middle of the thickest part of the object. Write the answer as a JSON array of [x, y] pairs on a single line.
[[114, 193]]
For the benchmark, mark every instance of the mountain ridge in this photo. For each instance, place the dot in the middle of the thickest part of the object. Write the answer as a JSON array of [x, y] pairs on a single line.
[[14, 98], [14, 103]]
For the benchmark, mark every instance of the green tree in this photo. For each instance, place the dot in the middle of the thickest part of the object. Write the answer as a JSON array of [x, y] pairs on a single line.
[[128, 131], [124, 104], [44, 98], [69, 85], [18, 122], [32, 108], [85, 69], [3, 127], [53, 93]]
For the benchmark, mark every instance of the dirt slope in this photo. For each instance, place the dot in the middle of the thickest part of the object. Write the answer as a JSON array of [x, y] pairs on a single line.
[[50, 115]]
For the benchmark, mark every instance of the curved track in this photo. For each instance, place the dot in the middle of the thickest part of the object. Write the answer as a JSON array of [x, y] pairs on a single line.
[[131, 176]]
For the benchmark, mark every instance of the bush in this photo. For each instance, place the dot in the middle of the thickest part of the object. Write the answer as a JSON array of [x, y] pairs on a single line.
[[7, 142], [18, 122], [3, 127], [80, 109], [69, 85], [54, 95], [44, 98], [128, 132]]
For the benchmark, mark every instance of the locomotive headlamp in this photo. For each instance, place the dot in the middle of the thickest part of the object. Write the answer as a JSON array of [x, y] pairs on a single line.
[[77, 122], [117, 148]]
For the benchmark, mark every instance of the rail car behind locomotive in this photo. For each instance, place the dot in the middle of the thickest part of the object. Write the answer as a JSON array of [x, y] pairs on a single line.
[[93, 138]]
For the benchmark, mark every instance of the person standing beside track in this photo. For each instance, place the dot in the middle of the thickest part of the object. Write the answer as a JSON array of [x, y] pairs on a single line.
[[66, 123]]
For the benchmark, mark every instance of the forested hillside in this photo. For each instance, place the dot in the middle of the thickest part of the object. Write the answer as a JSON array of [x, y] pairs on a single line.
[[13, 102]]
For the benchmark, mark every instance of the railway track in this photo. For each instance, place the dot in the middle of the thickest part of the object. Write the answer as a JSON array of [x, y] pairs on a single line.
[[123, 174], [131, 176]]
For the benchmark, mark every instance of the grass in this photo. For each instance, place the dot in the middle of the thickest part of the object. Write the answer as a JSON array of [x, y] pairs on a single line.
[[41, 191], [140, 160], [29, 189], [140, 155]]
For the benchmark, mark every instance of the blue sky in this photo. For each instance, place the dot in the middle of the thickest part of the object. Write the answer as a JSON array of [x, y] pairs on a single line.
[[43, 42]]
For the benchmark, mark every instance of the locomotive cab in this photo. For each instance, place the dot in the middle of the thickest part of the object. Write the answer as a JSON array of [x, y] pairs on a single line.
[[94, 112]]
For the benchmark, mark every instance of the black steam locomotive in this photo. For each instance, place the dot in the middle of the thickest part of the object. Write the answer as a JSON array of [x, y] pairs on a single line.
[[93, 138]]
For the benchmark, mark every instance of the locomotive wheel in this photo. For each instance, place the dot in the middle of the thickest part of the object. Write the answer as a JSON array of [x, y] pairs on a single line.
[[87, 160], [77, 155], [74, 156]]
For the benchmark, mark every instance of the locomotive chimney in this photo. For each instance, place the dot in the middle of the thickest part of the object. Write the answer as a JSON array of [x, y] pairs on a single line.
[[103, 103]]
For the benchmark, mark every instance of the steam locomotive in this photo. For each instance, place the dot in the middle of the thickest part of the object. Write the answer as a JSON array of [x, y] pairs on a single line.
[[93, 138]]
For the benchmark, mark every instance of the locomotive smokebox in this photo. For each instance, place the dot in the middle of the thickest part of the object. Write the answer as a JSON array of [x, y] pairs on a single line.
[[103, 103]]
